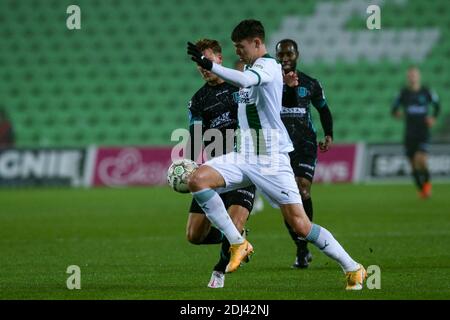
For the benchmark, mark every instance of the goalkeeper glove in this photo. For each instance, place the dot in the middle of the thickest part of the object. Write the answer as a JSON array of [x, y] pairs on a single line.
[[198, 57]]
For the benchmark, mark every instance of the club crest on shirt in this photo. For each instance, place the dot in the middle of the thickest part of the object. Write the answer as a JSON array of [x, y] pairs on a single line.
[[302, 92], [422, 99]]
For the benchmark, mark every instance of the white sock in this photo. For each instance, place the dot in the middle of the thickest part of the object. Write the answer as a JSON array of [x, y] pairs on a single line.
[[211, 203], [324, 240]]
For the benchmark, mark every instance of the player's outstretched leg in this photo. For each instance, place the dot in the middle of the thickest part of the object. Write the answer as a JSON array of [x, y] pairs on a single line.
[[200, 184], [215, 210], [239, 215], [324, 240], [295, 215]]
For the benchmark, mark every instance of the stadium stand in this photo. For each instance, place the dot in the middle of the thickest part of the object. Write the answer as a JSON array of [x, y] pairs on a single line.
[[124, 78]]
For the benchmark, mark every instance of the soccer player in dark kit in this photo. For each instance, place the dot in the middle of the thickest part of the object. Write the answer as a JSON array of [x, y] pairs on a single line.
[[214, 107], [299, 92], [415, 101]]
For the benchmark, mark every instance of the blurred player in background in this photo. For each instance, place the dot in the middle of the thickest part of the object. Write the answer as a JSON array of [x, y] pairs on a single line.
[[213, 107], [415, 101], [299, 92], [7, 138], [263, 137]]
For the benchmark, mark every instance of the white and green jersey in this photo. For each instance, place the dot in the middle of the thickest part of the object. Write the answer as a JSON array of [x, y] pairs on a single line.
[[260, 98]]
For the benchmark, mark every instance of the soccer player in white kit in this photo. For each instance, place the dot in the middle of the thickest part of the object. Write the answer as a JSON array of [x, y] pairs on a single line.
[[262, 154]]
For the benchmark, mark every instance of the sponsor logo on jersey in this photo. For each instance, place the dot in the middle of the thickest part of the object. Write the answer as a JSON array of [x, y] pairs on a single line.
[[223, 118], [293, 110], [243, 96], [415, 109]]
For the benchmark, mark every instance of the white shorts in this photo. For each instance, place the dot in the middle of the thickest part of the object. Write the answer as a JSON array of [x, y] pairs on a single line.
[[272, 175]]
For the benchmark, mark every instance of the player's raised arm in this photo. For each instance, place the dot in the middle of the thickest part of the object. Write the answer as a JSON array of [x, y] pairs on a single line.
[[241, 79], [248, 38]]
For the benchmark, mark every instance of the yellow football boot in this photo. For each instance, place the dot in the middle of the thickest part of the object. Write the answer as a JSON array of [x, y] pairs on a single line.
[[355, 279], [240, 252]]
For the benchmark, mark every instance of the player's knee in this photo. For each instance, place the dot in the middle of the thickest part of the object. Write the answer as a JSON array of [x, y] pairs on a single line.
[[298, 220], [194, 237], [195, 182], [301, 228]]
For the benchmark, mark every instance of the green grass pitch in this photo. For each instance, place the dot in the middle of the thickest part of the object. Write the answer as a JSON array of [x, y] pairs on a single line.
[[130, 244]]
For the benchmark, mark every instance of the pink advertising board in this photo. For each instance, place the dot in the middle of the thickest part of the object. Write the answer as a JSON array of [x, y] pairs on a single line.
[[340, 164], [144, 166], [131, 166]]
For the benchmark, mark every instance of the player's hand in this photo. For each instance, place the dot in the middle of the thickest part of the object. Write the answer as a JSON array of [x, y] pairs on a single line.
[[291, 79], [325, 145], [430, 121], [198, 57]]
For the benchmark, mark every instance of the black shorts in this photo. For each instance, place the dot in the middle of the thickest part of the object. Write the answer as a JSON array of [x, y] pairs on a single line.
[[304, 160], [415, 145], [242, 197]]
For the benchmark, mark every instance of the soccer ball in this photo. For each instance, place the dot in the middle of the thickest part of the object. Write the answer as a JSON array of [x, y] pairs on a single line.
[[178, 173]]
